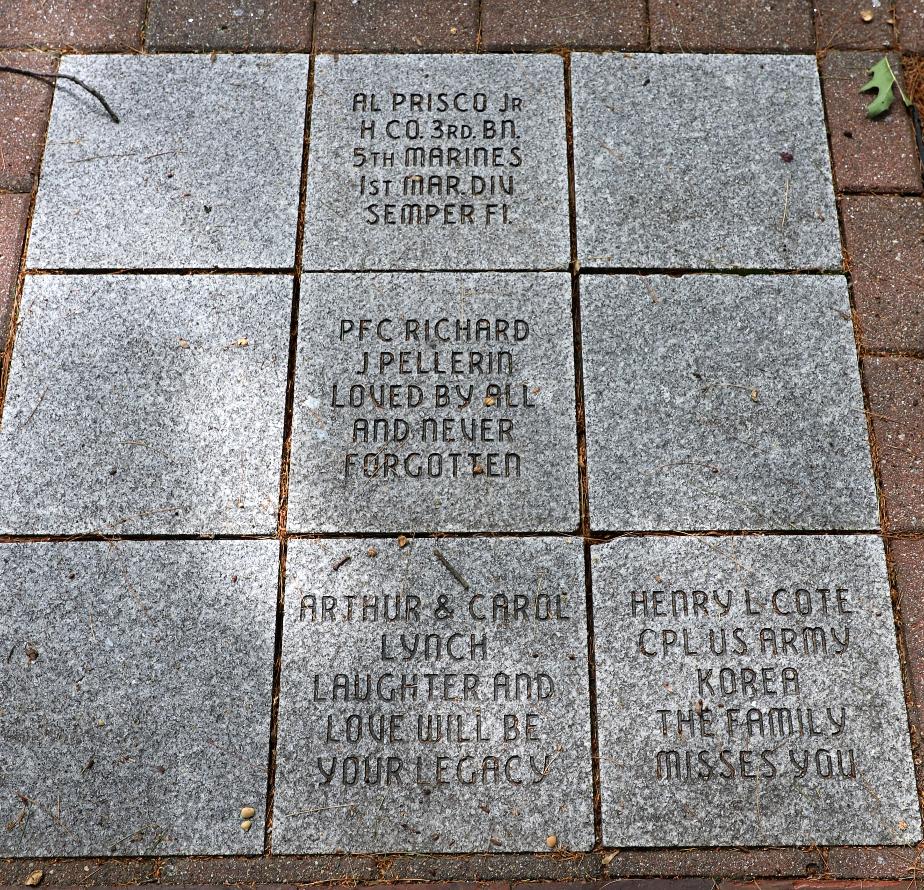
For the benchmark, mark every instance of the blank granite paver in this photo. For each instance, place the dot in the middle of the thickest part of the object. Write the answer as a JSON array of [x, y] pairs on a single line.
[[474, 657], [146, 404], [702, 161], [749, 693], [136, 688], [434, 402], [437, 162], [202, 171], [724, 402]]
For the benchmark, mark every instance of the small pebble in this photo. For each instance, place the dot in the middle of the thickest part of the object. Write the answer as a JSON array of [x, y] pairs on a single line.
[[243, 342], [246, 825], [551, 841], [402, 541], [372, 552], [35, 878], [184, 344], [477, 469], [903, 825], [248, 812], [489, 400], [866, 15]]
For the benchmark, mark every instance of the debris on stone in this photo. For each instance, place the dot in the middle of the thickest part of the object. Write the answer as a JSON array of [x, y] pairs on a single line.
[[35, 878], [402, 541], [31, 652], [372, 552], [551, 841], [246, 825], [248, 812], [866, 15]]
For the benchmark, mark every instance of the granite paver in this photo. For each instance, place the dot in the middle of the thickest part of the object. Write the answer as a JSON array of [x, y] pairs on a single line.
[[397, 26], [706, 161], [202, 171], [14, 210], [24, 106], [136, 694], [884, 240], [549, 24], [732, 26], [437, 162], [434, 697], [749, 693], [267, 25], [146, 404], [842, 24], [895, 387], [870, 155], [723, 402], [81, 25], [434, 402]]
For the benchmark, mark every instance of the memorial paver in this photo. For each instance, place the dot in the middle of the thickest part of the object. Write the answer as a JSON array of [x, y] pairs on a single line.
[[136, 689], [702, 161], [437, 162], [723, 402], [749, 693], [434, 402], [202, 170], [148, 404], [434, 697]]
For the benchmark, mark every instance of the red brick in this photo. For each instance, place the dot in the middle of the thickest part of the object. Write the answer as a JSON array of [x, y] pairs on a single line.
[[910, 18], [14, 211], [885, 250], [267, 26], [871, 864], [87, 25], [895, 387], [907, 558], [396, 25], [705, 862], [804, 884], [24, 106], [870, 155], [732, 25], [537, 24], [621, 884], [839, 25]]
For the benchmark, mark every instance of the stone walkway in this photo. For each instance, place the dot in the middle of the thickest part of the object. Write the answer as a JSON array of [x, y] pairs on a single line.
[[460, 441]]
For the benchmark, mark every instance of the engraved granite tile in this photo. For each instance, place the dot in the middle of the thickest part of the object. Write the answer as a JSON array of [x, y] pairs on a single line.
[[437, 162], [201, 172], [749, 693], [136, 689], [434, 697], [146, 404], [702, 161], [724, 402], [434, 402]]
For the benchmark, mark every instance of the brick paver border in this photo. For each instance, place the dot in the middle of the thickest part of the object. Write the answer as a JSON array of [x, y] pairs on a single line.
[[874, 161]]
